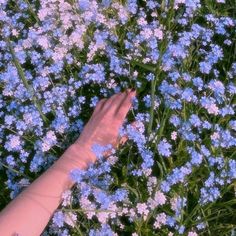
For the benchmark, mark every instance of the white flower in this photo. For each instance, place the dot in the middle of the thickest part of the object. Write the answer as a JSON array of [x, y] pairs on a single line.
[[174, 135]]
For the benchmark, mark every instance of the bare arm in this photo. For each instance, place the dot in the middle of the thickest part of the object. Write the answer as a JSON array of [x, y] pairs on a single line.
[[29, 213]]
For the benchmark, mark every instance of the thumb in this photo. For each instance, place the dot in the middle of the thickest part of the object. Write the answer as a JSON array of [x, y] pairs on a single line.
[[124, 138], [120, 140]]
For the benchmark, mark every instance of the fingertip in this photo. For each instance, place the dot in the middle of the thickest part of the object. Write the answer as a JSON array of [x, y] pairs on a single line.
[[133, 92]]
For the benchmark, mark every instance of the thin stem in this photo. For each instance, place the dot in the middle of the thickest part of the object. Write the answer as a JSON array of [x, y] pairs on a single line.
[[88, 210], [25, 82], [32, 11], [14, 170], [153, 88]]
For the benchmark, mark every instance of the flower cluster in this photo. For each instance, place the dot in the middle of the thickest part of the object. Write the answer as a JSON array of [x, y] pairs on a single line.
[[177, 169]]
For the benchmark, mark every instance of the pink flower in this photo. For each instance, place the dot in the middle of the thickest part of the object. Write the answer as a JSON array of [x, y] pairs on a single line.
[[174, 135], [192, 233], [70, 218], [142, 209], [160, 220], [158, 33], [160, 198]]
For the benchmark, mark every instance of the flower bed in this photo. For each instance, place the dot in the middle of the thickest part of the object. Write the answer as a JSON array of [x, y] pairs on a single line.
[[176, 173]]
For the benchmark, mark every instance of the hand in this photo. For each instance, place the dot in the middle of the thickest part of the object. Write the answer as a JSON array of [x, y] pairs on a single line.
[[107, 118]]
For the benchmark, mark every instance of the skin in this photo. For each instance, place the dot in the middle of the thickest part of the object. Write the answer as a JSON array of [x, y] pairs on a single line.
[[29, 213]]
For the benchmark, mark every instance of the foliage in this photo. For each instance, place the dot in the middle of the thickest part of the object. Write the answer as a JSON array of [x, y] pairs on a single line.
[[176, 174]]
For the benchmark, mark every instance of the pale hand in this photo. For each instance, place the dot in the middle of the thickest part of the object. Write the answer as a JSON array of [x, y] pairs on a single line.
[[107, 118]]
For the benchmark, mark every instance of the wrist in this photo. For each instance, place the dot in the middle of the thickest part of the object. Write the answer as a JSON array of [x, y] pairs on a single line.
[[78, 153], [75, 157]]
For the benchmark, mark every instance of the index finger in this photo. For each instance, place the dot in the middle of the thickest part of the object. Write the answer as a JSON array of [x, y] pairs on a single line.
[[123, 108]]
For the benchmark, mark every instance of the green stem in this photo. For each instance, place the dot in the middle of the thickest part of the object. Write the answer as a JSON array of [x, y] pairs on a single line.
[[153, 88], [14, 170], [88, 210], [25, 82], [32, 11]]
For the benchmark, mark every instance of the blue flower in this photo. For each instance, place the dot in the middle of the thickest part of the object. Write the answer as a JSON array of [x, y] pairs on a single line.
[[171, 221], [77, 175], [93, 72], [84, 4], [105, 230], [102, 198], [98, 149], [227, 110], [205, 151], [58, 219], [165, 186], [150, 77], [212, 195], [174, 76], [206, 125], [132, 6], [147, 100], [181, 229], [188, 95], [196, 158], [106, 3], [217, 87], [175, 120], [120, 195], [232, 124], [37, 162], [147, 156], [195, 121], [198, 82], [205, 67], [152, 4], [94, 101], [10, 160], [232, 169], [164, 148]]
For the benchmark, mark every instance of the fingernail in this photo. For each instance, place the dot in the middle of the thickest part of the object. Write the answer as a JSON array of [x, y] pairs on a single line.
[[133, 92]]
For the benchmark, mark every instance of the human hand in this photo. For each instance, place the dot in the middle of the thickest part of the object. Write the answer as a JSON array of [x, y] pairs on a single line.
[[107, 118]]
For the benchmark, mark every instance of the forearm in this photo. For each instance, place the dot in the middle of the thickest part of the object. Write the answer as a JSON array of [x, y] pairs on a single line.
[[29, 213]]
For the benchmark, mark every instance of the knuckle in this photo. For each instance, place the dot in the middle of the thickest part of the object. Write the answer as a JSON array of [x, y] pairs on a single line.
[[102, 100]]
